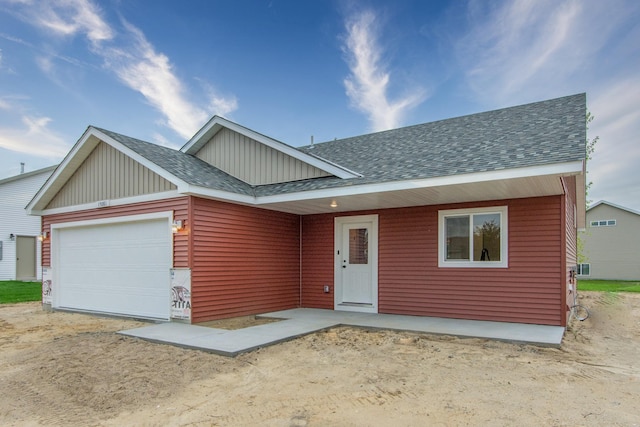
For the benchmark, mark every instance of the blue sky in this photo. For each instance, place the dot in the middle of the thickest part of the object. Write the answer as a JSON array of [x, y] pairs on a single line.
[[157, 70]]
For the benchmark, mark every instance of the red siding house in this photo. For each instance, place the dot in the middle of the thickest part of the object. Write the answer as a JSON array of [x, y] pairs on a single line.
[[472, 217]]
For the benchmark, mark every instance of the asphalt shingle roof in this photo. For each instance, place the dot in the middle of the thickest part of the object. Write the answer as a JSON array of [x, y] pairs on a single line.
[[188, 168], [536, 134]]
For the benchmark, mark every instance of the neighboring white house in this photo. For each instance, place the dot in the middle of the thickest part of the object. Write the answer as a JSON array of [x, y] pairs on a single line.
[[611, 243], [19, 244]]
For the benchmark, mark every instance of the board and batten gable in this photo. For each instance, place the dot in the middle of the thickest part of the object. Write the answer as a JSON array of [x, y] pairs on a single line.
[[15, 194], [254, 162], [410, 282], [108, 174]]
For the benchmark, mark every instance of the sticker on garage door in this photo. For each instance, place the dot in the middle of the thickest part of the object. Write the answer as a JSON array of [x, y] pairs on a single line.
[[181, 293]]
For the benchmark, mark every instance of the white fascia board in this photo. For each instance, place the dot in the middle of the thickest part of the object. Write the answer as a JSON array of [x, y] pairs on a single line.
[[193, 190], [203, 135], [216, 123], [110, 203], [322, 159], [78, 154], [76, 150], [560, 169]]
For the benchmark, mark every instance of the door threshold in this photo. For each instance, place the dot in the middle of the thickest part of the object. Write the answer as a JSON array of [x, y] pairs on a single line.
[[356, 304]]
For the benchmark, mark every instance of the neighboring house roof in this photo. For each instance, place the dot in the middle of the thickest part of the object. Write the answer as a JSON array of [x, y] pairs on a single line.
[[603, 202], [24, 175], [508, 153]]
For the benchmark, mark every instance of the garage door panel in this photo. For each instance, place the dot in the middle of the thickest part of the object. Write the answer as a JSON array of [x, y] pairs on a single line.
[[124, 301], [118, 268]]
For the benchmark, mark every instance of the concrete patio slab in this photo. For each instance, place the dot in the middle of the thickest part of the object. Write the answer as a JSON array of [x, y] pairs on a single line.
[[303, 321]]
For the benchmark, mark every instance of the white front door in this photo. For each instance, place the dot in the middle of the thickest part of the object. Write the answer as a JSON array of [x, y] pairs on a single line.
[[356, 263]]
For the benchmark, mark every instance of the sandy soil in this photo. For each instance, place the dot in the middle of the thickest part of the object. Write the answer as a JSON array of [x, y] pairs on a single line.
[[72, 369]]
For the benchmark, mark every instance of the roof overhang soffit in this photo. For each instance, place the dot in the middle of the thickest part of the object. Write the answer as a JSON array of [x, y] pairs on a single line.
[[74, 159], [496, 185], [217, 123]]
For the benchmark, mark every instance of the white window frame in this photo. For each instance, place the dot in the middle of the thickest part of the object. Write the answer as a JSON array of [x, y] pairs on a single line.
[[504, 237], [580, 268], [603, 223]]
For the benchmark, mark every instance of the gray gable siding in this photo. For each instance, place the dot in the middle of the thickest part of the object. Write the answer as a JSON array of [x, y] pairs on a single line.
[[254, 162], [188, 168], [108, 174]]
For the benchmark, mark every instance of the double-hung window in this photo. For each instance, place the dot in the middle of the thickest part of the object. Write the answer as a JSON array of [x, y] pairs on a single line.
[[473, 237]]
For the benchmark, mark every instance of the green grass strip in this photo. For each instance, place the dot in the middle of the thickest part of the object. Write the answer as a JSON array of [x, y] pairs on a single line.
[[608, 285], [13, 291]]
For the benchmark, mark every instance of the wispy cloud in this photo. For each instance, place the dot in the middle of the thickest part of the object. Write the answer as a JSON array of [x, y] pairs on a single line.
[[368, 84], [151, 73], [524, 50], [70, 17], [617, 118], [34, 137], [132, 58]]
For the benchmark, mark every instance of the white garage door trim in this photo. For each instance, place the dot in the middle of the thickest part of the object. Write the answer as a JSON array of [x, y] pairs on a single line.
[[127, 295]]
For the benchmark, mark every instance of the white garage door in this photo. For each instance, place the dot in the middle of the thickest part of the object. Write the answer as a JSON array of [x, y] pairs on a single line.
[[118, 268]]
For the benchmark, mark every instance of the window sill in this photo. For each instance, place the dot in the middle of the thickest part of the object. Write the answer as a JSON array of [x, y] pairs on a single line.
[[479, 264]]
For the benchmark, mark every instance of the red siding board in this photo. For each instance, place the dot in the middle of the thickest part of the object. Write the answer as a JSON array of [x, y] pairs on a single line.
[[245, 260], [410, 281], [317, 261]]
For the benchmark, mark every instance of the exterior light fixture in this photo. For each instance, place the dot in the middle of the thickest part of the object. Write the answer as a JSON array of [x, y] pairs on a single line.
[[334, 204], [42, 236], [176, 226], [12, 236]]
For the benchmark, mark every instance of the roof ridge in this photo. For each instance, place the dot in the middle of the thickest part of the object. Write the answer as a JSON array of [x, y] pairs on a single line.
[[604, 202]]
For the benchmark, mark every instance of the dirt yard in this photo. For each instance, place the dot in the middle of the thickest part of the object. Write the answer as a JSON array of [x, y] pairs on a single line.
[[72, 369]]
